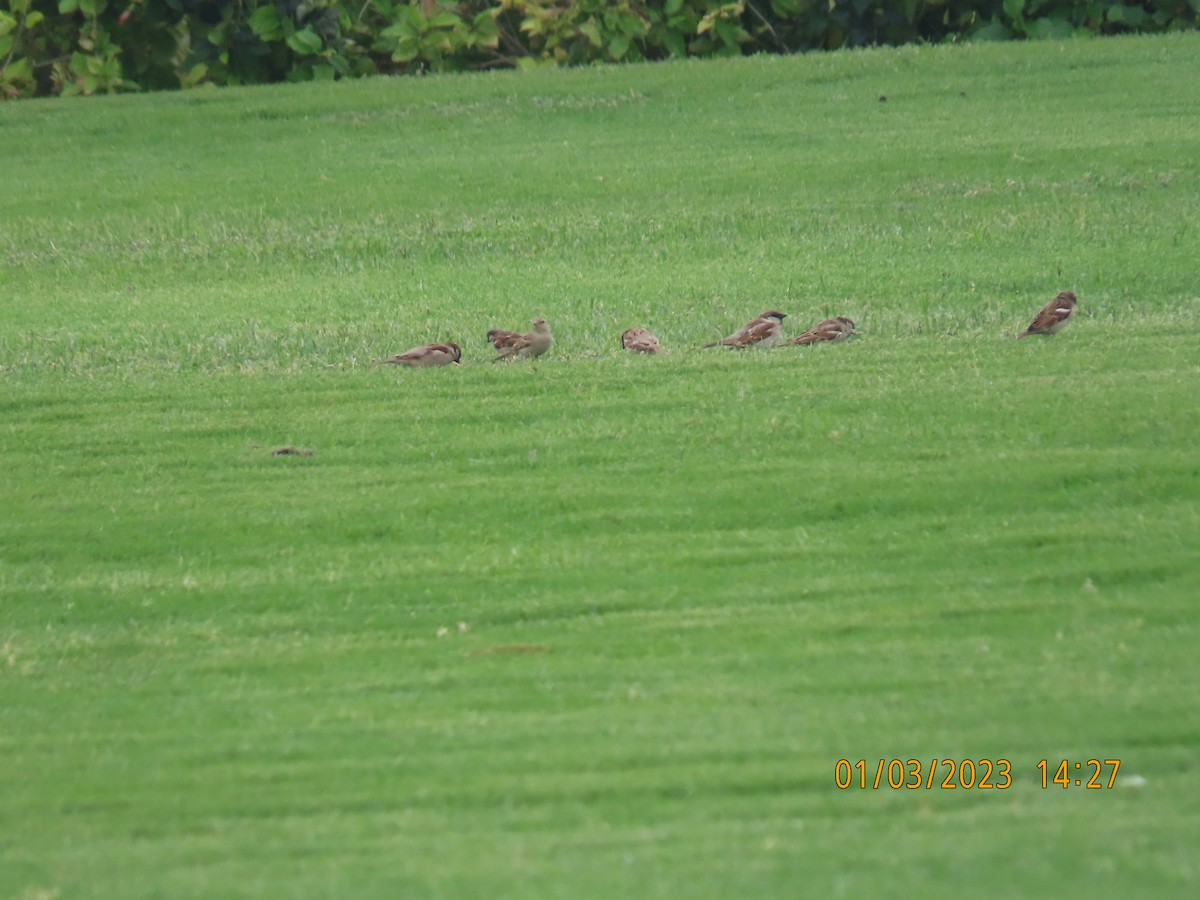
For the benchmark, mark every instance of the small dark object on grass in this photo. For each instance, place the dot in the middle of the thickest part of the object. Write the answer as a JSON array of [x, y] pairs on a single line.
[[511, 648], [291, 451], [883, 98]]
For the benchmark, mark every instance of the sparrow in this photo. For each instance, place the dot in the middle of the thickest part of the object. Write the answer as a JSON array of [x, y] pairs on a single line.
[[501, 339], [639, 340], [830, 330], [1053, 317], [426, 355], [761, 332], [531, 344]]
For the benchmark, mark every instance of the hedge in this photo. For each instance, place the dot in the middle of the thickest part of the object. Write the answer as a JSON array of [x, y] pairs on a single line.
[[80, 47]]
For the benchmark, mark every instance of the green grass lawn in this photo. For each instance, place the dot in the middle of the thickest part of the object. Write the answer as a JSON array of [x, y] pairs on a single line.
[[603, 625]]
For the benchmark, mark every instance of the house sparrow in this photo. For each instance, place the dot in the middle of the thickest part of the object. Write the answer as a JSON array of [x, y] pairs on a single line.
[[761, 332], [501, 339], [640, 340], [830, 330], [1053, 317], [426, 355], [531, 344]]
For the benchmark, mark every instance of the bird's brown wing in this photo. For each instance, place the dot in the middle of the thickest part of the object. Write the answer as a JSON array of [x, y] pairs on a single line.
[[501, 339], [1051, 316], [632, 335], [752, 333], [639, 340], [518, 343], [647, 344]]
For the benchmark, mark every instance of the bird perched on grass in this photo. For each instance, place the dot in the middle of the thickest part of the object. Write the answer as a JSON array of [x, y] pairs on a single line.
[[639, 340], [1053, 317], [764, 331], [837, 329], [426, 355], [530, 345]]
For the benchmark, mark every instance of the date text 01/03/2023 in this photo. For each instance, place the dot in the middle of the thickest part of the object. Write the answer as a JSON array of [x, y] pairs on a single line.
[[968, 774]]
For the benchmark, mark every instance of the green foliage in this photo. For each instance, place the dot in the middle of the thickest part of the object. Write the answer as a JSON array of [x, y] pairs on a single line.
[[573, 33], [97, 46], [1057, 19], [433, 36]]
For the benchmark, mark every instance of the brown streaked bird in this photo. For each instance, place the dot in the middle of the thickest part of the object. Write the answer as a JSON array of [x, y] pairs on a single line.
[[639, 340], [764, 331], [530, 345], [501, 339], [1053, 317], [426, 355], [836, 329]]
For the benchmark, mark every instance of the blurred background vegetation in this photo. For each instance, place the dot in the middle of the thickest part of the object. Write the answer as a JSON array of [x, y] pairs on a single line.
[[73, 47]]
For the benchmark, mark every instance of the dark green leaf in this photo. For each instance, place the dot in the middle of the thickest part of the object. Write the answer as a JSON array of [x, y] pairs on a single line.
[[265, 24], [991, 31], [1047, 28], [306, 42]]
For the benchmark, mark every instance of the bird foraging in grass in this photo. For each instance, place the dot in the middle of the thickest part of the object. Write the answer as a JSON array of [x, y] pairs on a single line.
[[530, 345], [1053, 317], [836, 329], [764, 331], [426, 355], [639, 340]]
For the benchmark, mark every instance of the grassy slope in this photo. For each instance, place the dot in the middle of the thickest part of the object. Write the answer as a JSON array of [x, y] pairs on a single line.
[[221, 672]]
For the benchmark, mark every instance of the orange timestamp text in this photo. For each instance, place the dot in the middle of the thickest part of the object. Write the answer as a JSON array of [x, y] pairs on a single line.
[[923, 774], [1087, 774]]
